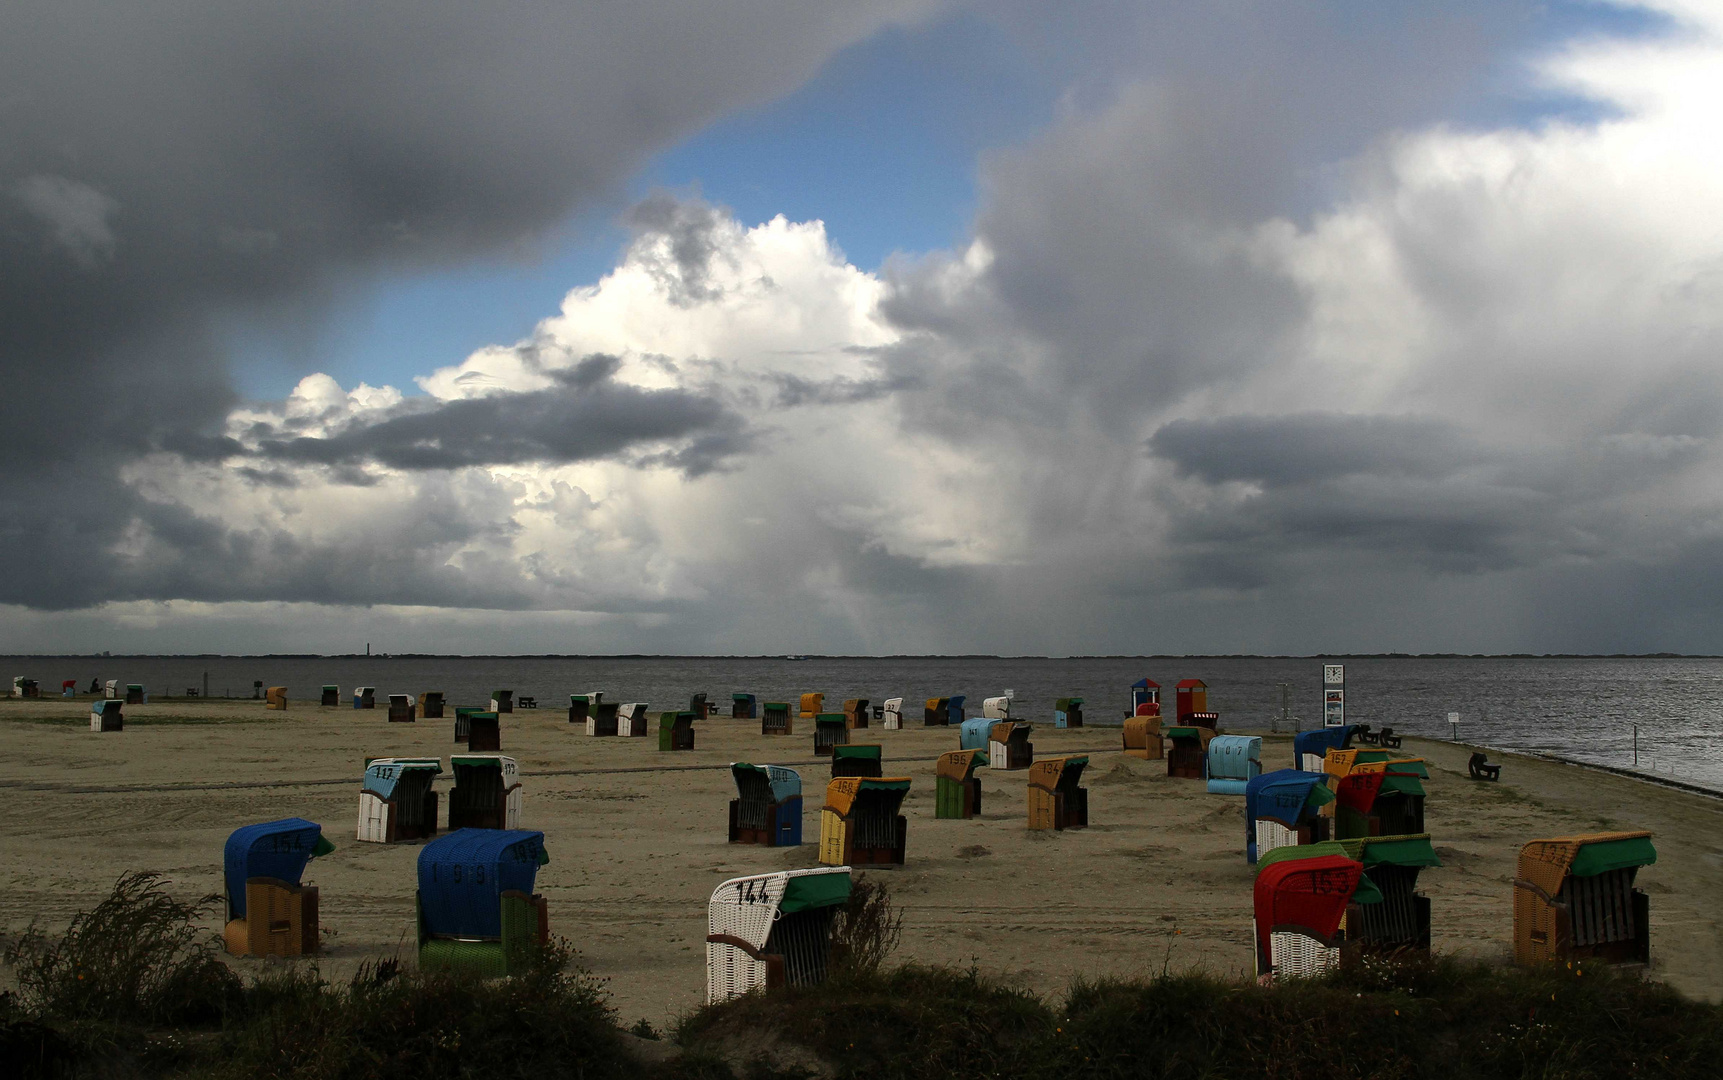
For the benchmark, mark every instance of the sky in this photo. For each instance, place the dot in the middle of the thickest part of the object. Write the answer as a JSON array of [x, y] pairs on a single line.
[[918, 326]]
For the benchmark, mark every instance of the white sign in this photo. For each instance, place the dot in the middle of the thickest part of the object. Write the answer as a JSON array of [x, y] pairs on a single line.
[[1453, 718], [1333, 674], [1333, 708]]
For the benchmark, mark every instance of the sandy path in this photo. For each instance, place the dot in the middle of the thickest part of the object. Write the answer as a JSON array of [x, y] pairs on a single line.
[[637, 841]]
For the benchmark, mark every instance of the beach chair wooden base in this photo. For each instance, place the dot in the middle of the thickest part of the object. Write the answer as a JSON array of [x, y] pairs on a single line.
[[280, 920]]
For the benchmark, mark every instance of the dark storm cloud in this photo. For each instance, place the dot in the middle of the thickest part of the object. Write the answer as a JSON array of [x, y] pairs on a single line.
[[585, 416], [164, 164], [1306, 447]]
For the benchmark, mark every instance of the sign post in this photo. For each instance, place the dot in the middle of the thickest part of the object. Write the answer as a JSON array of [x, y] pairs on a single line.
[[1454, 725], [1333, 695]]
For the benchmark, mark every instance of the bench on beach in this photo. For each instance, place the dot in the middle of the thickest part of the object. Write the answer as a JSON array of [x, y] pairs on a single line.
[[1481, 769], [1387, 740]]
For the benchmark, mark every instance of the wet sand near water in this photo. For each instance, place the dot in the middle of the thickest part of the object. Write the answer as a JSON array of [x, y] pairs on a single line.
[[637, 841]]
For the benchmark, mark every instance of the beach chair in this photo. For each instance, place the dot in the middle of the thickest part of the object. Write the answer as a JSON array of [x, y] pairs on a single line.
[[477, 912], [364, 697], [1068, 712], [1143, 738], [954, 709], [933, 714], [23, 687], [487, 792], [484, 732], [742, 707], [1145, 698], [1299, 904], [631, 719], [675, 731], [957, 790], [811, 706], [855, 713], [1191, 697], [1376, 793], [772, 930], [697, 705], [857, 759], [1230, 763], [69, 688], [1398, 917], [275, 698], [1574, 899], [767, 808], [600, 718], [1055, 800], [830, 729], [331, 697], [891, 714], [1310, 748], [996, 708], [431, 704], [1008, 745], [401, 709], [1187, 750], [1284, 809], [396, 801], [860, 824], [775, 718], [269, 913], [134, 694], [502, 701], [972, 734], [464, 721], [105, 715], [580, 709], [1480, 769], [110, 689]]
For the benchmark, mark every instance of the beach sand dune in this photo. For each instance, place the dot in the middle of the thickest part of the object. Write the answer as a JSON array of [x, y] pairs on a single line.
[[637, 842]]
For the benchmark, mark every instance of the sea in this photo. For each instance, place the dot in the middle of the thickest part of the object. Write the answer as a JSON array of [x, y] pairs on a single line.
[[1659, 716]]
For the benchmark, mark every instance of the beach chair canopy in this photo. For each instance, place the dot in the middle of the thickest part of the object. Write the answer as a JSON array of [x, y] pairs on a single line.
[[1064, 704], [843, 793], [996, 708], [781, 782], [894, 704], [812, 704], [860, 751], [786, 915], [1056, 774], [972, 734], [400, 701], [1289, 796], [1415, 850], [1584, 856], [746, 907], [272, 849], [462, 877], [384, 775], [1306, 895], [959, 764], [1317, 743], [954, 706], [742, 697], [1234, 757]]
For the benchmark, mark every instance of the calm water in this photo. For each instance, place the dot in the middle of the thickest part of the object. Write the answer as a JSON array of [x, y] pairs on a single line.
[[1581, 709]]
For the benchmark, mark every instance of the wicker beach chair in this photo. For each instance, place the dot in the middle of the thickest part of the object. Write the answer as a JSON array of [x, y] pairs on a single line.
[[580, 709], [484, 732], [1300, 903], [431, 705], [401, 709], [954, 709], [771, 930], [972, 734], [1377, 793], [134, 694], [364, 697], [600, 718], [631, 719], [396, 800], [775, 718], [767, 808], [1284, 809], [1187, 750], [110, 689], [676, 730], [477, 912], [957, 790], [934, 712], [830, 729], [1231, 762], [996, 708], [464, 721], [856, 713], [331, 697], [502, 701], [24, 687], [857, 759], [891, 718], [742, 707], [1008, 745], [1055, 799], [1068, 712], [105, 715], [1574, 899], [275, 698], [860, 824], [1310, 748], [269, 913], [812, 705], [1143, 739], [487, 792], [1398, 918]]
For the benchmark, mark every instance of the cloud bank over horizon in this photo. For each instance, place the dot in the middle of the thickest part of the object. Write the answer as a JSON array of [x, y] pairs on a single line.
[[1193, 384]]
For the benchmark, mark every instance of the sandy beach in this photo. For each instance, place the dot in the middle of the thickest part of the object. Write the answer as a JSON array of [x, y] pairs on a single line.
[[637, 841]]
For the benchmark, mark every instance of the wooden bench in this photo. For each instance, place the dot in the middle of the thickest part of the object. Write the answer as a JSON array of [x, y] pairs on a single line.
[[1387, 739], [1363, 735], [1483, 770]]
